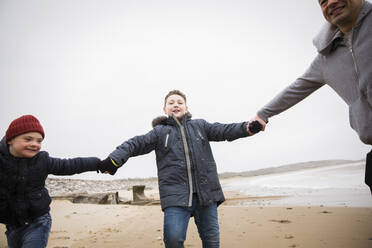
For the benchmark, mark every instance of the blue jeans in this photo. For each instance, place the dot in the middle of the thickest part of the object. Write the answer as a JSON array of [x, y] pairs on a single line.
[[176, 220], [33, 235]]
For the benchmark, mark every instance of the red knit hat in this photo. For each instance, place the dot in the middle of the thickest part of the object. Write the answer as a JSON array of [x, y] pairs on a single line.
[[23, 124]]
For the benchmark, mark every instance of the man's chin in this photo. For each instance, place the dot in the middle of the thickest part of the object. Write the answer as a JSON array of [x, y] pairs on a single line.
[[340, 19]]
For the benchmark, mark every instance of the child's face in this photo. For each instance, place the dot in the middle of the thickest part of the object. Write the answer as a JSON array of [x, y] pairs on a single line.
[[175, 105], [25, 145]]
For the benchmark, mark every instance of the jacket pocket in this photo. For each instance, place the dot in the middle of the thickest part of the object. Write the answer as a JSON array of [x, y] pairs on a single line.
[[4, 210], [360, 114], [213, 180], [165, 146], [39, 200]]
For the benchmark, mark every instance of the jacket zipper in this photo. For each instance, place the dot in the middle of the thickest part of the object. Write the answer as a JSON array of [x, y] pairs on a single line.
[[350, 46], [187, 156]]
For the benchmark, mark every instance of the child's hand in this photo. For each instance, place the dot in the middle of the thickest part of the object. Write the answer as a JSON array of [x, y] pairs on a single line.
[[106, 166], [254, 127], [260, 120]]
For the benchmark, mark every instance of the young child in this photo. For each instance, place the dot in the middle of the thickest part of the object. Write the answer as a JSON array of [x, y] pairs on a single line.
[[24, 200], [187, 173]]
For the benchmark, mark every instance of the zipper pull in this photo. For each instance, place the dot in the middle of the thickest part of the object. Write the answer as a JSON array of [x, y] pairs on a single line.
[[201, 137], [166, 138]]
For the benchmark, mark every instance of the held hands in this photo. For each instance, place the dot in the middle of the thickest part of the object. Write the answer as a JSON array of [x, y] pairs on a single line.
[[256, 125], [261, 121], [107, 166]]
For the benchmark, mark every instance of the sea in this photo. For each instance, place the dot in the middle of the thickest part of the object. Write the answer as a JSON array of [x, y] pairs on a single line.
[[338, 185]]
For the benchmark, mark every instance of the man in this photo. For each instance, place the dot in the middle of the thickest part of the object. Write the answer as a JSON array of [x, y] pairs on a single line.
[[344, 62]]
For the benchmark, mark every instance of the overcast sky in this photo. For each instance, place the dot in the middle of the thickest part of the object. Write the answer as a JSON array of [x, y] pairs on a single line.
[[95, 73]]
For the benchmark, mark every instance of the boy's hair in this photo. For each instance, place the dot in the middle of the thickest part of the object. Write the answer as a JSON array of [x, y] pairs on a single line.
[[174, 92]]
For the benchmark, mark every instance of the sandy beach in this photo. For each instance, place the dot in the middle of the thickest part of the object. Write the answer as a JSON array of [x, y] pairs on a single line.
[[89, 225], [246, 220], [93, 225]]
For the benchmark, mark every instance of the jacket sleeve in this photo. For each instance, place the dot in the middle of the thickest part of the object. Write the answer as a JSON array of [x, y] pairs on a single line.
[[71, 166], [222, 132], [135, 146], [309, 82]]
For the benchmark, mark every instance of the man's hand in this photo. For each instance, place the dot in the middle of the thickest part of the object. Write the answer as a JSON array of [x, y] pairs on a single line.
[[106, 166]]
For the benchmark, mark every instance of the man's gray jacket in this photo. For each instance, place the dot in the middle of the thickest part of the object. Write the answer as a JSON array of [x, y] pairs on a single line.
[[345, 64]]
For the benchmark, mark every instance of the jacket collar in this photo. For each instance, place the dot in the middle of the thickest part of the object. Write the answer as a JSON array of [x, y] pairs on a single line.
[[4, 147], [168, 120], [329, 32]]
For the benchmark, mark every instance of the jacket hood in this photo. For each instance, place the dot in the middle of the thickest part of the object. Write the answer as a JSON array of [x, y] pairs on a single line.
[[4, 147], [166, 120], [328, 33]]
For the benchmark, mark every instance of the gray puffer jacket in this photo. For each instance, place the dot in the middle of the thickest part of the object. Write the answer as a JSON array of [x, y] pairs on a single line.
[[345, 64], [184, 157]]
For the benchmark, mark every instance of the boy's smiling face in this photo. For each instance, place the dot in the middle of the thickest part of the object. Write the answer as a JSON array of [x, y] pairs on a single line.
[[25, 145], [175, 105]]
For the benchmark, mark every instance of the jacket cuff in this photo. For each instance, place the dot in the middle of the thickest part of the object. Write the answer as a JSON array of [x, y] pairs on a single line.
[[245, 129], [264, 117]]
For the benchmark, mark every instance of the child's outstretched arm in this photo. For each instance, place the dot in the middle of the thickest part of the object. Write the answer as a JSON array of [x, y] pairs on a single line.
[[135, 146], [71, 166], [221, 132]]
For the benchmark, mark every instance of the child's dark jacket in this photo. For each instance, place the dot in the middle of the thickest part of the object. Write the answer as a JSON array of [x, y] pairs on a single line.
[[166, 139], [23, 196]]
